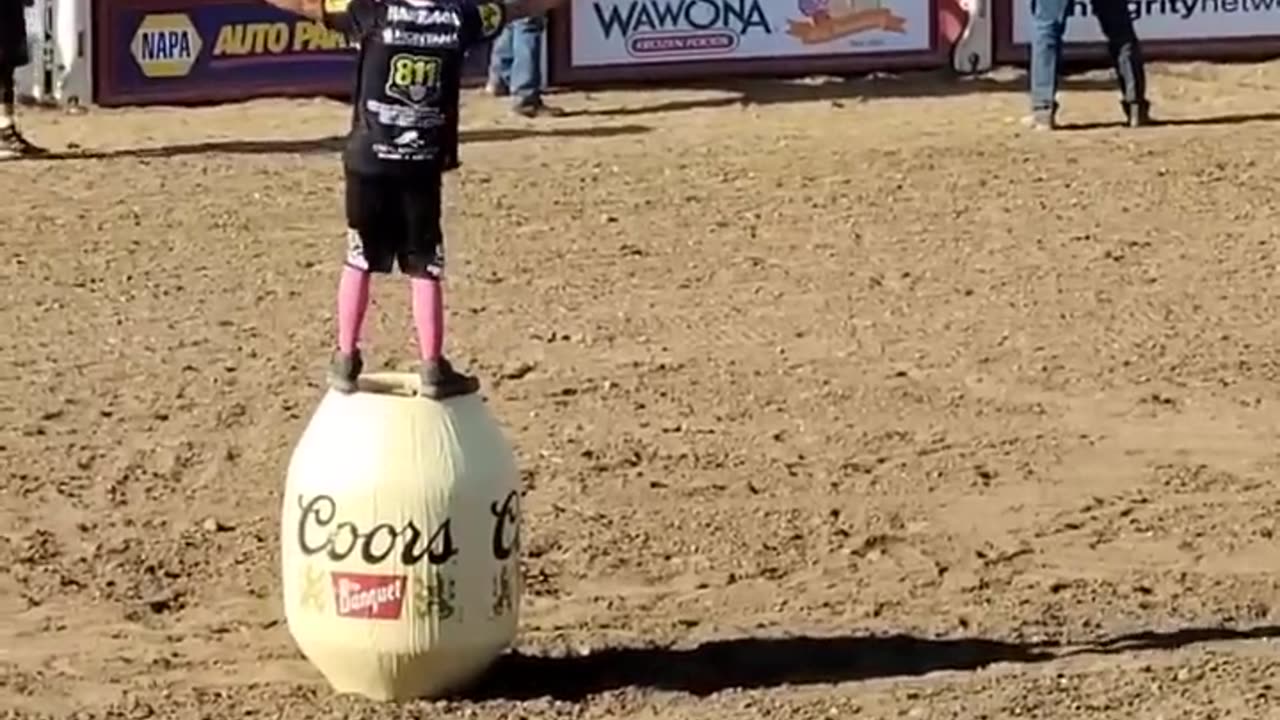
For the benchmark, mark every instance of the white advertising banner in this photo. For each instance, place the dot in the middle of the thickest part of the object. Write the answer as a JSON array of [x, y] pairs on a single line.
[[627, 32], [1166, 20]]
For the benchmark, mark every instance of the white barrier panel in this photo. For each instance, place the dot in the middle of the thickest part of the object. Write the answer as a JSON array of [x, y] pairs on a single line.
[[73, 55], [633, 32], [61, 67], [30, 77], [974, 51]]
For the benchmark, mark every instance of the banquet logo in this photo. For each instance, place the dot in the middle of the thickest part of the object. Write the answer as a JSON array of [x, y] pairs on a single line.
[[368, 597], [828, 20], [654, 28]]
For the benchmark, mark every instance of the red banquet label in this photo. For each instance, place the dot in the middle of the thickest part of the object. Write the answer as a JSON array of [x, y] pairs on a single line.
[[369, 597]]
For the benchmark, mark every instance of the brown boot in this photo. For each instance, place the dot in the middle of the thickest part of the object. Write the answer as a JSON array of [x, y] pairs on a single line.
[[440, 381], [1137, 114], [344, 372], [1041, 120], [536, 108]]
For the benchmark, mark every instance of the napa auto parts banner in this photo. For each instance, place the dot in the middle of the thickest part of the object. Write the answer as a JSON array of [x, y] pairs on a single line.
[[180, 51], [1166, 20], [625, 32], [201, 51]]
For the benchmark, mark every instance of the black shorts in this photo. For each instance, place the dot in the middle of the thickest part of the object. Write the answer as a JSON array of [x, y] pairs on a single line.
[[395, 221], [13, 36]]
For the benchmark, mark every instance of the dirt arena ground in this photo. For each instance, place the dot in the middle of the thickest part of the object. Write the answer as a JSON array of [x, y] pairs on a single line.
[[834, 400]]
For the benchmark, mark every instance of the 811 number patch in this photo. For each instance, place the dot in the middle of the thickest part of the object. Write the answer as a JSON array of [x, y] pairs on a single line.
[[413, 78]]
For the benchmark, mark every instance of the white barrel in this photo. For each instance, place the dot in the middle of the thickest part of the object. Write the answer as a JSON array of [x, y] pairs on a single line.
[[400, 539]]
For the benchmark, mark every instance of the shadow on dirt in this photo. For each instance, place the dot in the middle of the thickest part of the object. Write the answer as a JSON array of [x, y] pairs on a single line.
[[1077, 75], [1149, 641], [742, 663], [335, 143], [1230, 119], [748, 663], [839, 90]]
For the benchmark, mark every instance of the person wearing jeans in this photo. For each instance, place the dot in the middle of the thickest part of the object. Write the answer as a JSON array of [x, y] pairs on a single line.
[[515, 66], [1049, 23]]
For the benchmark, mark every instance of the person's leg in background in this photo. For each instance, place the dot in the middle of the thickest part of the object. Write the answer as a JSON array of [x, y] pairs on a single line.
[[1049, 22], [499, 84], [12, 143], [13, 55], [1126, 54], [9, 98], [526, 67]]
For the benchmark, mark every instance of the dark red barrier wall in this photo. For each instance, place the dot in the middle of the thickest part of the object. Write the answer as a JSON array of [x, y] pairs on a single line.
[[207, 51]]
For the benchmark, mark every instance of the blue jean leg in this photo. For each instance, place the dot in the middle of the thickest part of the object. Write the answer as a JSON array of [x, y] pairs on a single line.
[[1048, 23], [500, 58], [525, 78]]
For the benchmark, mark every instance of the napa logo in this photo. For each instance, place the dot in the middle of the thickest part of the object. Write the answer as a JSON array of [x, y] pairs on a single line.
[[166, 45]]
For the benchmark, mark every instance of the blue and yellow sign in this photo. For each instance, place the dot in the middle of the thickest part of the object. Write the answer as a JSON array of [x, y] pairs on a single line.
[[165, 45], [203, 51]]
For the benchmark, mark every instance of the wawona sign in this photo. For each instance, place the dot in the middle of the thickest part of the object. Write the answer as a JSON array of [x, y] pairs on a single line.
[[625, 32]]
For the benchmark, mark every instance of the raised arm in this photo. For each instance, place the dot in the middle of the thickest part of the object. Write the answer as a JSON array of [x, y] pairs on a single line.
[[516, 9], [313, 9], [484, 19]]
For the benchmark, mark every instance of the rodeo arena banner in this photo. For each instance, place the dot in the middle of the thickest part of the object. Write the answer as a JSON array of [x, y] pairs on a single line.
[[1169, 29], [146, 52]]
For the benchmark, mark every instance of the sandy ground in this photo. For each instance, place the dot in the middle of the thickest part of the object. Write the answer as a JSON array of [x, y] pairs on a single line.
[[832, 399]]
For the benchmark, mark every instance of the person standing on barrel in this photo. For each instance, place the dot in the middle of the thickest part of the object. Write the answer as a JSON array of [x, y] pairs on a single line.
[[13, 55], [403, 138], [1049, 23]]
